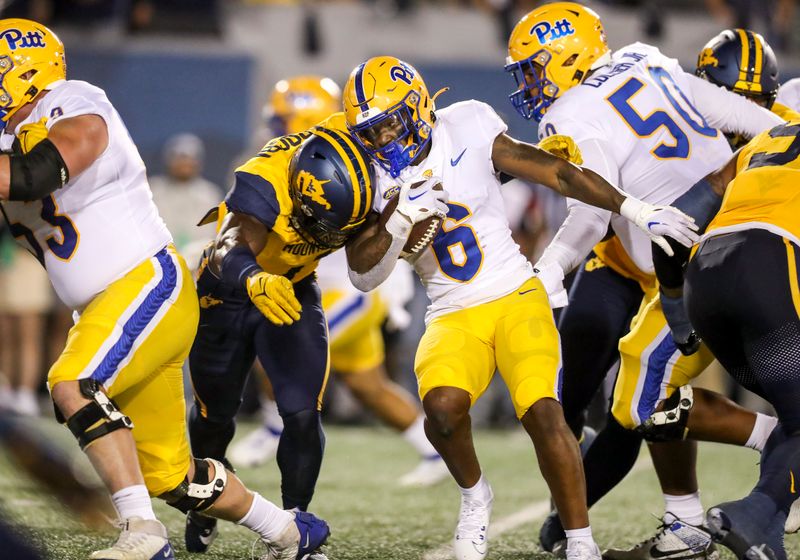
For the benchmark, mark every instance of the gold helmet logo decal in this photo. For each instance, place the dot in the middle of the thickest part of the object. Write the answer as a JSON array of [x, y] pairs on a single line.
[[707, 58], [311, 187]]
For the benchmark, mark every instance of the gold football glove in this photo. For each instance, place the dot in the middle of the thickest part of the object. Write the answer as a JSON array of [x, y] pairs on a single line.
[[562, 146], [31, 134], [273, 295]]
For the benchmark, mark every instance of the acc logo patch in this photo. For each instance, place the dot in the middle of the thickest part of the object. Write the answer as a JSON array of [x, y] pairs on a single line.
[[15, 39], [391, 192], [312, 188], [546, 31], [707, 58]]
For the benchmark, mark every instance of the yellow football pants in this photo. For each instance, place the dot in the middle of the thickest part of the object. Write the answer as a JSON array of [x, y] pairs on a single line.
[[354, 325], [651, 366], [133, 338], [514, 334]]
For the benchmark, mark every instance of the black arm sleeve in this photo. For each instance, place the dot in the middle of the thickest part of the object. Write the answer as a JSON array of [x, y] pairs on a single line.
[[38, 173], [701, 203]]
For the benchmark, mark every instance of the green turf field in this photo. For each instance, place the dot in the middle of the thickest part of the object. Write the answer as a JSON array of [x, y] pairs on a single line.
[[371, 518]]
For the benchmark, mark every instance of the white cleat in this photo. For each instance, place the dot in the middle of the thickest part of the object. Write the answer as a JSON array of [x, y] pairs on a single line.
[[427, 473], [793, 519], [141, 539], [583, 551], [256, 448], [470, 542]]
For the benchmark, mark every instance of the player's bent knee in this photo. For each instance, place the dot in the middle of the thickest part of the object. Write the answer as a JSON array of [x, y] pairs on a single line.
[[446, 408], [202, 491], [670, 424], [98, 418]]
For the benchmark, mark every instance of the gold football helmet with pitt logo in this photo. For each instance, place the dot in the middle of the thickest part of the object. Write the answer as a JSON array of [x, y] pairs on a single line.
[[552, 49], [386, 98], [31, 59]]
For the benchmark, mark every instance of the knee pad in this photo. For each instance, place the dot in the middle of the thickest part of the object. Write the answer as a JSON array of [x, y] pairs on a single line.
[[98, 418], [201, 493], [670, 424]]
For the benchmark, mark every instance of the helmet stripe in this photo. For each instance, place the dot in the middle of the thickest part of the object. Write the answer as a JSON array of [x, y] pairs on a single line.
[[744, 61], [758, 67], [356, 166], [751, 52], [360, 96]]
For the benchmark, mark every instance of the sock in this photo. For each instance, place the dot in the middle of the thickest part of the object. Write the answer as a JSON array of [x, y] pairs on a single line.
[[779, 478], [761, 431], [133, 501], [481, 491], [272, 419], [266, 519], [575, 536], [687, 508], [415, 435], [609, 459]]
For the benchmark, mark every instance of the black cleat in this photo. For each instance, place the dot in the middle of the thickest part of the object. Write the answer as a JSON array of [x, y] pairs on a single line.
[[201, 531], [751, 527]]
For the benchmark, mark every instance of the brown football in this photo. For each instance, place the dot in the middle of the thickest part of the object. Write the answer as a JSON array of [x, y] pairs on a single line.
[[422, 233]]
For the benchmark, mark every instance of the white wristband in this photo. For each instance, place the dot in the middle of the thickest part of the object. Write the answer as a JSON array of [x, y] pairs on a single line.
[[630, 208], [398, 225]]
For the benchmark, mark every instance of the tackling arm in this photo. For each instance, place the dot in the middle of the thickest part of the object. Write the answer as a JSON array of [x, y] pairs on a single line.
[[240, 238], [67, 149], [701, 202]]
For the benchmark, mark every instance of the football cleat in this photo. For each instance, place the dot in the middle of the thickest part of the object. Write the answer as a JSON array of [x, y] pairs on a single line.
[[300, 540], [583, 551], [751, 527], [470, 541], [552, 537], [200, 531], [673, 541], [256, 448], [141, 539], [427, 473]]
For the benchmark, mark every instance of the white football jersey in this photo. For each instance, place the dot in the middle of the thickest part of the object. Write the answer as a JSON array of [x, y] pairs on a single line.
[[652, 129], [472, 259], [103, 222], [789, 94]]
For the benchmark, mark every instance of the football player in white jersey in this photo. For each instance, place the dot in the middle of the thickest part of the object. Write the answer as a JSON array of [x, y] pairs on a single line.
[[636, 118], [488, 310], [74, 192], [354, 319]]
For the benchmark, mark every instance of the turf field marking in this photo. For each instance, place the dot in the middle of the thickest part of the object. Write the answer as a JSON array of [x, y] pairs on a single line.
[[510, 522]]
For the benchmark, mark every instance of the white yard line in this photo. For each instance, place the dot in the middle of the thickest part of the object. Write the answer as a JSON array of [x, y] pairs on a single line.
[[510, 522]]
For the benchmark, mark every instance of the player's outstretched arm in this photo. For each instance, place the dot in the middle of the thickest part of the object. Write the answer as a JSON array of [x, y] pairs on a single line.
[[49, 158], [701, 202], [373, 253], [528, 162], [240, 238]]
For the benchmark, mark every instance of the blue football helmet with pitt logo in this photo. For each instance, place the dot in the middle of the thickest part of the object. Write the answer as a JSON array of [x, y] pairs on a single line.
[[332, 186], [386, 96]]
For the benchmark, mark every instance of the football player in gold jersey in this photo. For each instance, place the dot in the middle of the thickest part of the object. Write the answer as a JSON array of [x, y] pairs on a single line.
[[354, 319], [742, 298]]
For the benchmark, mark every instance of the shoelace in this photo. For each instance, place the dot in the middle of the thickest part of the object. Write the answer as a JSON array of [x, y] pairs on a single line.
[[471, 525]]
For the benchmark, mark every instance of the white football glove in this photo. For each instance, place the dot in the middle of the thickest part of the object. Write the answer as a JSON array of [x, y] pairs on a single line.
[[552, 276], [416, 205], [660, 221]]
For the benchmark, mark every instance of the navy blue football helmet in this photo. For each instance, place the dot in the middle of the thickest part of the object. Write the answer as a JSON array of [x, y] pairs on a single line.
[[741, 61], [332, 186]]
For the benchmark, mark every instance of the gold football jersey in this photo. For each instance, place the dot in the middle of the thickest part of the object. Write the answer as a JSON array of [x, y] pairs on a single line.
[[262, 191], [764, 190]]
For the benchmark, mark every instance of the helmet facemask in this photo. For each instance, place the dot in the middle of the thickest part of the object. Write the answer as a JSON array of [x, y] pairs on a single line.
[[317, 231], [535, 91], [410, 135]]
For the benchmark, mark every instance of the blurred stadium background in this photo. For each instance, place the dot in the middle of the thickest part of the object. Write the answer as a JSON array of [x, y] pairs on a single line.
[[205, 68]]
